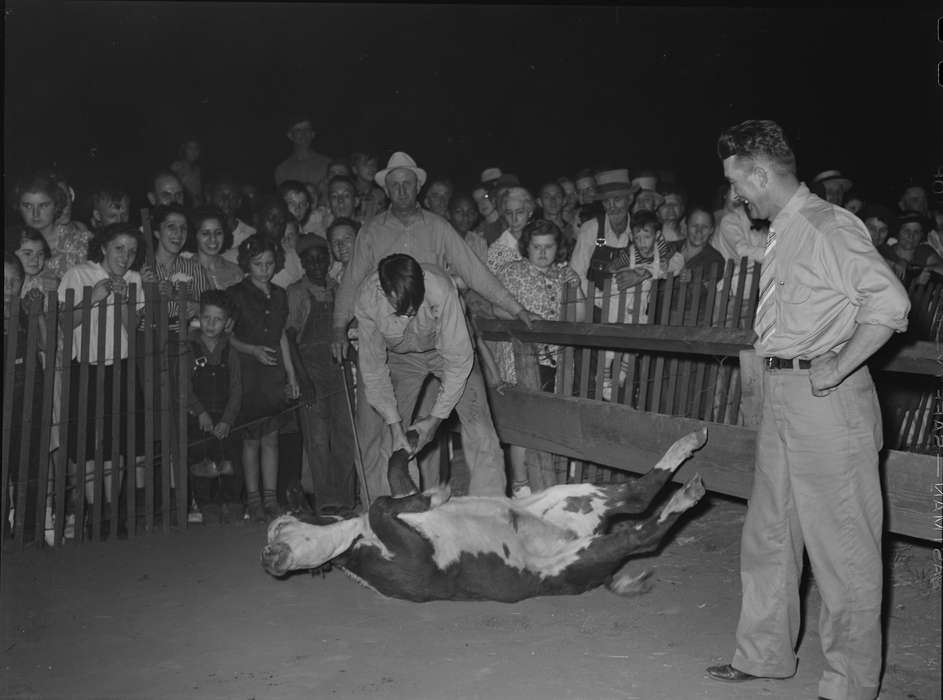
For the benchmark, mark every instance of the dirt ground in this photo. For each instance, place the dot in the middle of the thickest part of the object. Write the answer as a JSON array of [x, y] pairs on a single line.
[[193, 615]]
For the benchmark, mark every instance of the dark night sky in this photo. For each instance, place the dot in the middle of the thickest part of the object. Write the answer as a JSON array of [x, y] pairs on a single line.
[[538, 90]]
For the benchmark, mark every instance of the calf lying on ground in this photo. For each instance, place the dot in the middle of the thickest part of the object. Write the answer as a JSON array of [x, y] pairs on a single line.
[[555, 542]]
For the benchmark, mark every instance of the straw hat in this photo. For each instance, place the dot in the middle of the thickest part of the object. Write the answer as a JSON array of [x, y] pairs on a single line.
[[832, 176], [614, 183], [489, 175]]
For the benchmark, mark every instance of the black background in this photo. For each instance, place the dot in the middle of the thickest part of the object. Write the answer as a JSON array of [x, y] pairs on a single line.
[[539, 90]]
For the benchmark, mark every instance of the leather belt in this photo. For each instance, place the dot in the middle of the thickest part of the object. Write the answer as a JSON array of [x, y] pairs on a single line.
[[783, 363]]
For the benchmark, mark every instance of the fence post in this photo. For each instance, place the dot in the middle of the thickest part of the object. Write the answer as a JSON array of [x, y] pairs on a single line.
[[63, 368], [131, 462], [180, 410], [43, 497], [539, 464]]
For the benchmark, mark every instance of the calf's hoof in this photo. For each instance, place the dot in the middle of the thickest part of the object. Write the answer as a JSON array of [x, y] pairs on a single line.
[[684, 498], [439, 495], [625, 584]]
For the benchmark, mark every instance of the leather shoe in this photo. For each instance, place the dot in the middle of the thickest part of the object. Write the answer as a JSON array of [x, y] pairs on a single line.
[[729, 673]]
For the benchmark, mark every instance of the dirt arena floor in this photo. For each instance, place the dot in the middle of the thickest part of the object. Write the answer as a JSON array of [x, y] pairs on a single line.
[[193, 615]]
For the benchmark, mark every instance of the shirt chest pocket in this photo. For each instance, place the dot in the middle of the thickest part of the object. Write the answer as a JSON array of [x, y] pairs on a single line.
[[794, 293]]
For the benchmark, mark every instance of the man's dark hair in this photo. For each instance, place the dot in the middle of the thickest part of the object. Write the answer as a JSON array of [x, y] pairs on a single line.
[[700, 207], [218, 298], [401, 279], [758, 138], [152, 182], [293, 186], [342, 178], [542, 227], [343, 221], [108, 193], [296, 119]]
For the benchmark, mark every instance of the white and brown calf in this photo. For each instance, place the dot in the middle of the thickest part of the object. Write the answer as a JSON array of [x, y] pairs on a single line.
[[556, 542]]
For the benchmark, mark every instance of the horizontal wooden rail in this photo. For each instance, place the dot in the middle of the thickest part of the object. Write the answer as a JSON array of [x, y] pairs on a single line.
[[623, 438], [900, 354], [649, 338]]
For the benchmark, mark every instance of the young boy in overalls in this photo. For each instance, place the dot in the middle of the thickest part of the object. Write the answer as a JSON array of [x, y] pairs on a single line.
[[215, 384], [328, 469]]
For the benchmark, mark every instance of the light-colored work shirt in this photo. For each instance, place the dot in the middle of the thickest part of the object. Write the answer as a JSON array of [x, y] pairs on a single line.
[[829, 278], [439, 325], [429, 239]]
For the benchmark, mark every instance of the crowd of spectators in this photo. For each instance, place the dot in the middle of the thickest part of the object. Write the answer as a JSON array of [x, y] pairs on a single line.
[[261, 263]]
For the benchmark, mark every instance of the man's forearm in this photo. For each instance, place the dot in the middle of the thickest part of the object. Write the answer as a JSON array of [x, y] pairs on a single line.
[[868, 338]]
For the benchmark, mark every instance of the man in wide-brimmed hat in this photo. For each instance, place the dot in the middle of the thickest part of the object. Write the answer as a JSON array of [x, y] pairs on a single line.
[[603, 237], [831, 186], [407, 228]]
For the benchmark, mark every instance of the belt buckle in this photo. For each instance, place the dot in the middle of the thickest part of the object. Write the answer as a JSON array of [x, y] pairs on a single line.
[[770, 363]]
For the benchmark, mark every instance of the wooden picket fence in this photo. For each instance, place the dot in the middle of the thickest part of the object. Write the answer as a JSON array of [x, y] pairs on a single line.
[[682, 371], [147, 494]]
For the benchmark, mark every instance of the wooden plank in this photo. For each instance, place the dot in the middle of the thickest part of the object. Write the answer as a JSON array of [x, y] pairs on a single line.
[[723, 301], [116, 418], [81, 418], [619, 436], [601, 367], [676, 319], [65, 362], [734, 318], [585, 354], [538, 463], [43, 497], [99, 487], [150, 397], [179, 411], [565, 353], [716, 273], [903, 354], [131, 445], [753, 298], [629, 336], [9, 377], [665, 314], [164, 414], [24, 459]]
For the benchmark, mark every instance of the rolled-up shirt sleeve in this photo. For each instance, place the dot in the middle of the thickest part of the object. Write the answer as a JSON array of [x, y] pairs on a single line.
[[454, 345], [371, 355], [866, 279], [463, 261]]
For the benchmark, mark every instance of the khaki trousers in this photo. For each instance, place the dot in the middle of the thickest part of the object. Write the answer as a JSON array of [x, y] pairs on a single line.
[[816, 486]]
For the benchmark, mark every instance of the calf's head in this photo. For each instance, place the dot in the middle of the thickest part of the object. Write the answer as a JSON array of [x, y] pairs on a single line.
[[293, 544]]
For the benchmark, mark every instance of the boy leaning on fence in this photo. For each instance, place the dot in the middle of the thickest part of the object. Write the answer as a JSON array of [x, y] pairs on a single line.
[[213, 403]]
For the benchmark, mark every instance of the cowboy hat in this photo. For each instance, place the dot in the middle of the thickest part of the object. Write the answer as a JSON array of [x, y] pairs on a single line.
[[400, 160]]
